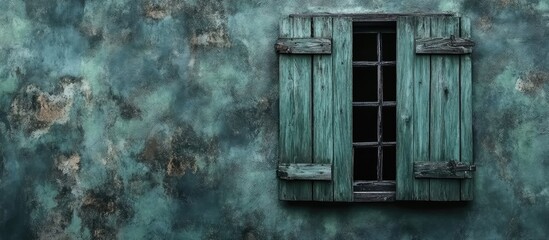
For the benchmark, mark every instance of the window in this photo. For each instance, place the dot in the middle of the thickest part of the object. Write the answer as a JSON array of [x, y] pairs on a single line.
[[375, 108]]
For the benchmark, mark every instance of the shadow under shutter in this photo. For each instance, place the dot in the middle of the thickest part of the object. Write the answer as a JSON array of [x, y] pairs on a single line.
[[434, 119], [315, 144]]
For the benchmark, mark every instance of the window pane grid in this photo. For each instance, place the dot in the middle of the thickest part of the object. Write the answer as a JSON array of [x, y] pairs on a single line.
[[381, 107]]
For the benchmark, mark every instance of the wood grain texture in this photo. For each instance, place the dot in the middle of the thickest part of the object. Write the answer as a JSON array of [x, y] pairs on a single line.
[[342, 74], [405, 107], [304, 46], [466, 113], [304, 171], [374, 186], [295, 139], [422, 80], [451, 169], [323, 110], [444, 45], [444, 115], [374, 196]]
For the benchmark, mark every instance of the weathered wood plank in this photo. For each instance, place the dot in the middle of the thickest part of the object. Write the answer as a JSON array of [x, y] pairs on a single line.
[[444, 45], [304, 46], [422, 81], [305, 171], [295, 138], [466, 117], [342, 60], [450, 169], [405, 107], [323, 145], [444, 123], [374, 196], [374, 186]]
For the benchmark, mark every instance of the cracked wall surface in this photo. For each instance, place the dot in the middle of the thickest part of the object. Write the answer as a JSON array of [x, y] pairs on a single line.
[[158, 119]]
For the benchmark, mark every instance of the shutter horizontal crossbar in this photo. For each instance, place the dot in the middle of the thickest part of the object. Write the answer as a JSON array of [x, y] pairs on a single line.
[[304, 171], [373, 63], [372, 144], [448, 45], [304, 46], [374, 104], [449, 169]]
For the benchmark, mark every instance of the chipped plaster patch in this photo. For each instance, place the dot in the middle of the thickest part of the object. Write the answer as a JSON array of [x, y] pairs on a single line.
[[532, 81], [528, 196], [179, 151], [505, 3], [215, 38], [37, 111], [68, 165], [157, 150], [485, 23], [524, 86], [155, 12], [212, 27], [178, 167], [162, 9]]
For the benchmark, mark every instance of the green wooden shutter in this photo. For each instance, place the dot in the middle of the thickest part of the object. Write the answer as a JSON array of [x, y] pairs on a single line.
[[315, 137], [434, 120]]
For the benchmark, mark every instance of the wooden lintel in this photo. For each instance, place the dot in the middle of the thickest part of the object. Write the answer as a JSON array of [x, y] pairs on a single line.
[[367, 17], [448, 45], [449, 169], [304, 46], [305, 171]]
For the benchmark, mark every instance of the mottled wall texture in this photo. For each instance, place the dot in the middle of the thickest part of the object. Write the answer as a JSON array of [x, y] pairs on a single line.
[[158, 119]]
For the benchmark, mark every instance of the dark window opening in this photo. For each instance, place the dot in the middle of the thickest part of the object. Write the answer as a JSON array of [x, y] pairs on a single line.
[[374, 106]]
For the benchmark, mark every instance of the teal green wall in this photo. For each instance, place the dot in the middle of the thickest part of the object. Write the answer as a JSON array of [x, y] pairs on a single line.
[[143, 119]]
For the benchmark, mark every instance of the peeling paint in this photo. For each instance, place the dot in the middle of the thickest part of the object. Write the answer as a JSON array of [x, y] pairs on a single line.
[[36, 111], [485, 23], [158, 10], [155, 12], [217, 38], [176, 155], [68, 165]]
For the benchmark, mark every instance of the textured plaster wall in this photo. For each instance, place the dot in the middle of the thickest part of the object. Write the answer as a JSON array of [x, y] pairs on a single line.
[[158, 119]]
